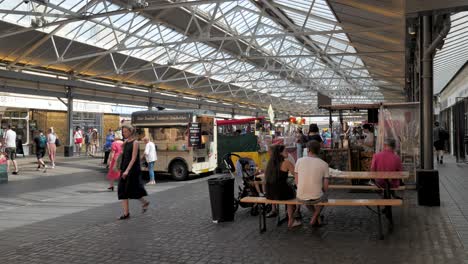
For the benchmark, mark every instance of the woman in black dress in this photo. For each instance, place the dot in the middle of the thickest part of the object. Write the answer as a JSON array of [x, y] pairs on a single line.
[[130, 184], [276, 177]]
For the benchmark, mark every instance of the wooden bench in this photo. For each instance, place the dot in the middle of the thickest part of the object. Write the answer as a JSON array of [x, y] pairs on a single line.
[[362, 187], [262, 201]]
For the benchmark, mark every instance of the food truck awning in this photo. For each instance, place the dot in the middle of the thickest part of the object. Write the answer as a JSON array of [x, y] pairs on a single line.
[[237, 121]]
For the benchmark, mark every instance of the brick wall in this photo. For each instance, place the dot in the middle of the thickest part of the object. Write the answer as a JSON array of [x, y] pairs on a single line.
[[58, 120], [111, 121], [55, 119]]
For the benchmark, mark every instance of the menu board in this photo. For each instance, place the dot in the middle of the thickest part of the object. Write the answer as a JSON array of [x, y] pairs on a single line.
[[194, 134]]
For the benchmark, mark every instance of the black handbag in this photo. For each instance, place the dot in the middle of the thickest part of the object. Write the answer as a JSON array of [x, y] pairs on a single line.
[[145, 176], [57, 142]]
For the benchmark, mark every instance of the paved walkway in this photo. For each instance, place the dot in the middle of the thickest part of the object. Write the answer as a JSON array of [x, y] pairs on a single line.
[[70, 219]]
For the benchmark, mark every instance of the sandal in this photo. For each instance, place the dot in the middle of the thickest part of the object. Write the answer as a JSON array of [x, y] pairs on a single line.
[[272, 214], [296, 223], [145, 207], [319, 222]]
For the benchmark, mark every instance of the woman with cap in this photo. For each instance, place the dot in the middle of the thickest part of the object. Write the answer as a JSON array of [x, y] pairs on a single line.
[[116, 150]]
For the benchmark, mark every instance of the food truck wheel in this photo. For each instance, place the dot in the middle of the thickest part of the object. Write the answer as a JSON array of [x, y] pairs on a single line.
[[179, 171]]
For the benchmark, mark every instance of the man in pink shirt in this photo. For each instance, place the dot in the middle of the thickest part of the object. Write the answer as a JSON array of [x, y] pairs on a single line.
[[387, 160]]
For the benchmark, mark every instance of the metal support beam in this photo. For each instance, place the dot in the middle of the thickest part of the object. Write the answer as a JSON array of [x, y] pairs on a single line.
[[70, 143], [63, 102], [429, 47], [150, 99], [340, 112], [427, 91], [331, 128]]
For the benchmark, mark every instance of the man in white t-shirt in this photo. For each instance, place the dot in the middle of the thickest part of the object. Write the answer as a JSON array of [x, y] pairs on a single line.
[[150, 157], [10, 147], [311, 175]]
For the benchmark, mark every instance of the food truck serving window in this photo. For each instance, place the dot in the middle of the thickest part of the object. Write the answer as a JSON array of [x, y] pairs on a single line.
[[170, 134]]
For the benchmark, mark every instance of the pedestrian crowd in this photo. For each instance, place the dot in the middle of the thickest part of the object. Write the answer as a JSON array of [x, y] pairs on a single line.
[[310, 174]]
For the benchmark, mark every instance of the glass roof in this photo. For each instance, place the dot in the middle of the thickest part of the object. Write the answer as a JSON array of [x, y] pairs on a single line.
[[324, 63], [454, 53]]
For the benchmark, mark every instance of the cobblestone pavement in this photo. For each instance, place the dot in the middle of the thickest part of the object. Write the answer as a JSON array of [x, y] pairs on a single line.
[[178, 229], [454, 195]]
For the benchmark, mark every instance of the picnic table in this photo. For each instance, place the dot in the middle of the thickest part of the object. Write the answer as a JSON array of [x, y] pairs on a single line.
[[385, 175], [352, 175]]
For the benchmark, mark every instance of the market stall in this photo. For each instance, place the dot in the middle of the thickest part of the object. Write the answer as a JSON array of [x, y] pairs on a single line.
[[248, 138], [396, 120]]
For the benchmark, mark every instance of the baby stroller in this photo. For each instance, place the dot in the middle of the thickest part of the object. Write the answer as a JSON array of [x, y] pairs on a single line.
[[244, 170]]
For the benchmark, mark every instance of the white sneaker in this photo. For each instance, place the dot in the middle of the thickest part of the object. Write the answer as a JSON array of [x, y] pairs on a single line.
[[45, 168], [53, 166]]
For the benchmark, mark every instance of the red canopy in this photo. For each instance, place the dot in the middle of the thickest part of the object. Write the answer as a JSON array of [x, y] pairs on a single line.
[[237, 121]]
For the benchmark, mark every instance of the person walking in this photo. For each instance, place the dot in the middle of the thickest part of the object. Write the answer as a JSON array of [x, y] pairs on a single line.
[[41, 144], [115, 151], [150, 157], [107, 147], [87, 141], [78, 138], [94, 142], [51, 147], [440, 136], [301, 139], [130, 184], [10, 148]]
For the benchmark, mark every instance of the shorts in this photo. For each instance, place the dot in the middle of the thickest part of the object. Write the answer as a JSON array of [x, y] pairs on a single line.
[[439, 145], [78, 140], [11, 153], [40, 153], [311, 202]]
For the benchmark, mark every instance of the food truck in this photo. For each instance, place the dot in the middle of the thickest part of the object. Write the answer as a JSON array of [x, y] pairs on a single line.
[[186, 140]]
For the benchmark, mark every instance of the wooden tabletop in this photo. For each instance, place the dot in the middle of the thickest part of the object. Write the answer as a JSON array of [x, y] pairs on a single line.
[[371, 175]]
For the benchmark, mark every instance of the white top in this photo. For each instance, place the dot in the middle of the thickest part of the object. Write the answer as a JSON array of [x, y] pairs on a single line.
[[10, 139], [150, 152], [368, 140], [51, 138], [78, 134], [311, 172]]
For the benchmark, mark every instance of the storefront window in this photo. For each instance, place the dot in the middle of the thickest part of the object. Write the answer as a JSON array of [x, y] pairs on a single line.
[[19, 123], [86, 121]]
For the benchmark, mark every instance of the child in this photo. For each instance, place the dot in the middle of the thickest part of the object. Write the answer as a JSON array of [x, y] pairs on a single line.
[[256, 182]]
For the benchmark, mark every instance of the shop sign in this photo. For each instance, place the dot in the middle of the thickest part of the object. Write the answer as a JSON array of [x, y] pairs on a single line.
[[194, 134], [162, 118]]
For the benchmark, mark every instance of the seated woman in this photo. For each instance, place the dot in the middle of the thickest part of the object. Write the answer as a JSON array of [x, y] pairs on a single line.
[[276, 177], [251, 179]]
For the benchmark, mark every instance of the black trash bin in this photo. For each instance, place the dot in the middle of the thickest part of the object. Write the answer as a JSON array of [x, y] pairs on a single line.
[[68, 151], [221, 191]]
